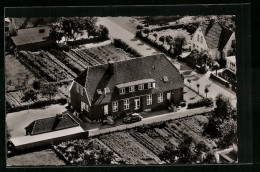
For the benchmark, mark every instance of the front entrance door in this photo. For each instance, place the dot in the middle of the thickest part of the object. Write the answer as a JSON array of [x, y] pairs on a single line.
[[137, 103], [106, 110], [169, 96]]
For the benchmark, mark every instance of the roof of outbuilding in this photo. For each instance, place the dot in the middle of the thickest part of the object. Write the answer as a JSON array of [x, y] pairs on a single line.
[[216, 35], [30, 35], [51, 124], [151, 67], [232, 58]]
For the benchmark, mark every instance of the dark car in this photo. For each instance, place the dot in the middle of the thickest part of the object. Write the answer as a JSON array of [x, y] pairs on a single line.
[[135, 117]]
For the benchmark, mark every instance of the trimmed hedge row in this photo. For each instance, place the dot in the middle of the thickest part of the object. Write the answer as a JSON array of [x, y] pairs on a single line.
[[191, 28], [154, 44], [219, 79], [85, 41], [121, 44], [201, 103], [38, 104]]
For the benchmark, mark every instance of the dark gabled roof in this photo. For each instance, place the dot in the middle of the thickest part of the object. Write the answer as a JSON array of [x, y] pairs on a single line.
[[30, 35], [50, 124], [216, 35], [150, 67]]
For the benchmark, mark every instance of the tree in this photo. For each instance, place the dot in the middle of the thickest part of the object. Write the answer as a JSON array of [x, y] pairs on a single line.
[[162, 39], [56, 33], [155, 36], [216, 66], [198, 86], [90, 24], [169, 39], [147, 31], [140, 27], [206, 90], [228, 130], [189, 81], [211, 128], [49, 89], [36, 85], [29, 95], [169, 154], [72, 27], [224, 108], [103, 32], [179, 42], [186, 151]]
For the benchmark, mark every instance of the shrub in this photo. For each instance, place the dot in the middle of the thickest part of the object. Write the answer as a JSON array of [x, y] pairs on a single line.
[[201, 103]]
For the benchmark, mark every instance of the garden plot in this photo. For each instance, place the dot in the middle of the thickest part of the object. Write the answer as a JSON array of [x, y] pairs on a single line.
[[173, 33], [109, 52], [128, 148], [17, 75]]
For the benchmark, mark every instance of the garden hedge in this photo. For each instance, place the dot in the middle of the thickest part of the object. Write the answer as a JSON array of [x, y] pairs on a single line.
[[85, 41], [219, 79], [191, 28], [200, 103], [35, 105]]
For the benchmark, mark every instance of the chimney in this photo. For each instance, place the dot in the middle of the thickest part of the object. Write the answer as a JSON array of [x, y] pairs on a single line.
[[111, 68]]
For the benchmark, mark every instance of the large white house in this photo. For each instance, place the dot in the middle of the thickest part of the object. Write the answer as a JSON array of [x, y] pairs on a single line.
[[213, 38]]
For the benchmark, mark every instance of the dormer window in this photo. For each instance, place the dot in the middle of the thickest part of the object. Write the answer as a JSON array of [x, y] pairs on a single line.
[[132, 89], [122, 90], [165, 79], [107, 90], [150, 85], [99, 91], [141, 87]]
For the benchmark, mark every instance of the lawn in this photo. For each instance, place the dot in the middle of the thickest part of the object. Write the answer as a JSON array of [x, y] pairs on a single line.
[[45, 157], [127, 23], [17, 75]]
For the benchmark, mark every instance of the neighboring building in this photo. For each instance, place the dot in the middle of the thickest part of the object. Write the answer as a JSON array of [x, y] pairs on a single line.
[[140, 84], [59, 122], [231, 64], [214, 39], [32, 39], [10, 30]]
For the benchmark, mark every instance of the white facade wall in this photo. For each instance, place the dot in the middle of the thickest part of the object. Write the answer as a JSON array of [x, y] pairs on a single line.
[[198, 41], [228, 47], [231, 66]]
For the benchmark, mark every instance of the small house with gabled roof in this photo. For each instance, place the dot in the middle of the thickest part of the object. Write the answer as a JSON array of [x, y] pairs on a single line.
[[214, 39], [139, 84]]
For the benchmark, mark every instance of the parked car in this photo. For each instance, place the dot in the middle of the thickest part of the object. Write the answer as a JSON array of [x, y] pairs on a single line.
[[108, 121], [208, 102], [135, 117]]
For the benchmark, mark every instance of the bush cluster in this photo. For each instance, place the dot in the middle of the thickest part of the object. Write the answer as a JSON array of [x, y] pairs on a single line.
[[219, 79], [191, 28], [200, 103]]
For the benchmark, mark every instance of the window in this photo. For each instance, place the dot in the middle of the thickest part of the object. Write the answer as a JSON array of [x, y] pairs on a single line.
[[160, 97], [165, 79], [81, 90], [77, 88], [99, 91], [122, 90], [150, 85], [126, 104], [198, 38], [115, 106], [132, 89], [201, 39], [84, 106], [141, 87], [149, 99], [137, 103], [107, 90]]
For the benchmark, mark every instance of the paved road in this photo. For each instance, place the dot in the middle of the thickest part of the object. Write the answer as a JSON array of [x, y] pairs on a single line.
[[116, 31], [158, 118]]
